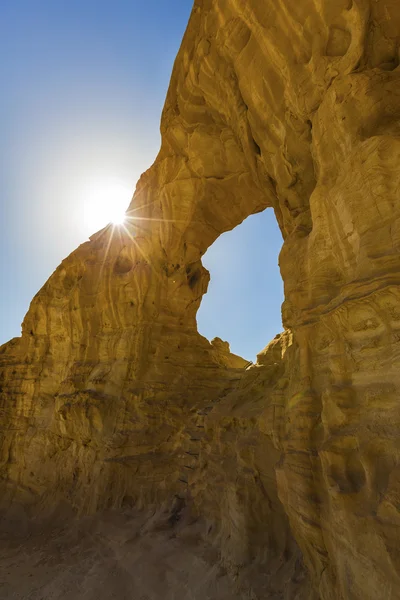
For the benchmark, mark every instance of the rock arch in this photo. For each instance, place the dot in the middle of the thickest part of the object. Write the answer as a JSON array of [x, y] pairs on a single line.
[[290, 105]]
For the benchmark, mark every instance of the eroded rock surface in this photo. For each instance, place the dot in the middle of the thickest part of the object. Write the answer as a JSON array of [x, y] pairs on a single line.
[[111, 398]]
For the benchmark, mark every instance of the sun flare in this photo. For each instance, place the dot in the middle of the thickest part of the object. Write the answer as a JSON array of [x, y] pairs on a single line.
[[106, 203]]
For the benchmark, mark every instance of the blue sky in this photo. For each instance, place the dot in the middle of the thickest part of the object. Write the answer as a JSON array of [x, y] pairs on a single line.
[[83, 85]]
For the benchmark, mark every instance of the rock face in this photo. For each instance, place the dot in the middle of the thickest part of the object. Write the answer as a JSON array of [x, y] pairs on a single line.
[[111, 398]]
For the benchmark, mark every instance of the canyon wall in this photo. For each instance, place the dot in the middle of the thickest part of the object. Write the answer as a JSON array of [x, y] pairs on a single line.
[[111, 398]]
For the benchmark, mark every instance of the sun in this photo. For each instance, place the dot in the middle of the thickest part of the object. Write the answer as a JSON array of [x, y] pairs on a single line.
[[105, 202]]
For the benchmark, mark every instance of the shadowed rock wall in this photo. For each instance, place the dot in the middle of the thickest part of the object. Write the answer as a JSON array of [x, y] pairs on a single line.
[[111, 397]]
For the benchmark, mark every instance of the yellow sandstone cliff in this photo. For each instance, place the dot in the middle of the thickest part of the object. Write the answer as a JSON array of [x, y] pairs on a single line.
[[112, 399]]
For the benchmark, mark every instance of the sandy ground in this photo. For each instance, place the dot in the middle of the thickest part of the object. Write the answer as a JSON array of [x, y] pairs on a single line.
[[121, 556]]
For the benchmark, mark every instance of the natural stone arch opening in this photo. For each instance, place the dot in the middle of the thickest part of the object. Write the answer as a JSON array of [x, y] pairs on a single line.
[[255, 116], [243, 301]]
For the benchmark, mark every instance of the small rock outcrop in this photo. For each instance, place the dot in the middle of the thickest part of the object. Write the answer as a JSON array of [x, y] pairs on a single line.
[[112, 399]]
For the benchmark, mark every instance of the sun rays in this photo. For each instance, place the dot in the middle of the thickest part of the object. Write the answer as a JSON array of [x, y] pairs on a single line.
[[122, 220], [128, 223], [105, 203]]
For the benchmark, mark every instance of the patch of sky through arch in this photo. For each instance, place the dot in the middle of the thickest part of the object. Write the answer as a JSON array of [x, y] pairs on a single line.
[[243, 302]]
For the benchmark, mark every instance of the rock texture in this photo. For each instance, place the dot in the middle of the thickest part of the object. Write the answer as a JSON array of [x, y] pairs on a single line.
[[111, 398], [120, 556]]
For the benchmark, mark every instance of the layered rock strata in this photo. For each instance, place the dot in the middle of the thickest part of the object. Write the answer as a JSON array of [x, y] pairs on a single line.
[[111, 397]]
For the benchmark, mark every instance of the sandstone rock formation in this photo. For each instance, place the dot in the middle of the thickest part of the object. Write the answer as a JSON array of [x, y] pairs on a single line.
[[111, 398]]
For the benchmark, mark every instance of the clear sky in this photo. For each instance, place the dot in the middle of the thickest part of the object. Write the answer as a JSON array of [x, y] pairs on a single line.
[[83, 84]]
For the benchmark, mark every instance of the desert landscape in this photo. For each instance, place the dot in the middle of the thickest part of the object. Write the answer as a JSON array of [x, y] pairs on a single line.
[[140, 461]]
